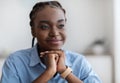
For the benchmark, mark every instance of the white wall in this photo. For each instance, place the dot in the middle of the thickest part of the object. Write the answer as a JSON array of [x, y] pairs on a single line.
[[117, 39], [109, 23], [13, 25], [87, 22]]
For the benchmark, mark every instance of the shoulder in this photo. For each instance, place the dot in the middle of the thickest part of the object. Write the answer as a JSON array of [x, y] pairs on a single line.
[[19, 56], [77, 60], [21, 53], [73, 56]]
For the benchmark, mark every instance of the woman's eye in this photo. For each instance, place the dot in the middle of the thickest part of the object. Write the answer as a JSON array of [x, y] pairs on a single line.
[[44, 27], [61, 26]]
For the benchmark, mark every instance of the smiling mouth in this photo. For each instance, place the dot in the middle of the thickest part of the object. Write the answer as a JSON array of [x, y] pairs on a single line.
[[54, 41]]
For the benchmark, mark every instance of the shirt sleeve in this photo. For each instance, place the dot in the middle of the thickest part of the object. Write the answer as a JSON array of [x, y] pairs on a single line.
[[9, 73], [88, 74]]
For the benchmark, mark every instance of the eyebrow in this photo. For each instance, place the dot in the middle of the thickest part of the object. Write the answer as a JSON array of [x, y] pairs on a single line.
[[46, 21], [61, 20]]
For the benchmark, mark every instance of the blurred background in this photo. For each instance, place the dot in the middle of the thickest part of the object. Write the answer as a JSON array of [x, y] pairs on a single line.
[[93, 29]]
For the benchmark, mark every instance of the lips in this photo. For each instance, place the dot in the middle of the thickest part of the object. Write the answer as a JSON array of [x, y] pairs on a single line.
[[54, 41]]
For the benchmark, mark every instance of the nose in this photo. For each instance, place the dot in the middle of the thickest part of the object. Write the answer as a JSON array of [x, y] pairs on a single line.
[[54, 32]]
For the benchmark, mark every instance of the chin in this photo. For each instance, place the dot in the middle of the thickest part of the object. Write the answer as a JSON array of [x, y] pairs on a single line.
[[55, 48]]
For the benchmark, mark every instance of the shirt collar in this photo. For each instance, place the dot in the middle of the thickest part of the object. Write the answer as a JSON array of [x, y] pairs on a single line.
[[34, 58]]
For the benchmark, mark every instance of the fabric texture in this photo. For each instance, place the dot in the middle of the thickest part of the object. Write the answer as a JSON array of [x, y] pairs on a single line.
[[24, 66]]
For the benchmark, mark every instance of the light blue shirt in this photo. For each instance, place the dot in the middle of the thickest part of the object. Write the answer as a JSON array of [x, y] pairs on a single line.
[[25, 66]]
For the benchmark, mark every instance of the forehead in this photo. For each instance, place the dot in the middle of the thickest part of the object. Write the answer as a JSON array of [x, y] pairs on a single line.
[[50, 14]]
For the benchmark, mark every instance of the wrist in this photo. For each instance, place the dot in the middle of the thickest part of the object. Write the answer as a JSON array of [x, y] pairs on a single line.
[[62, 69], [66, 72], [50, 72]]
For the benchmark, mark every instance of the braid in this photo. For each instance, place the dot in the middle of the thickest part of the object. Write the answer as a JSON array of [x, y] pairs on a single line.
[[41, 5]]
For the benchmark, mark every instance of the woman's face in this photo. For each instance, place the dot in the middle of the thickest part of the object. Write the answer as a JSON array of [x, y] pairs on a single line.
[[49, 28]]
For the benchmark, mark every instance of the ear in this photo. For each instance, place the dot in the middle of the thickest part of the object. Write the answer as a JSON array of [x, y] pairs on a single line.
[[33, 32]]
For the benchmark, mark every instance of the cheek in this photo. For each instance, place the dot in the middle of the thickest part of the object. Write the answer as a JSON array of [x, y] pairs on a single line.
[[42, 35], [64, 35]]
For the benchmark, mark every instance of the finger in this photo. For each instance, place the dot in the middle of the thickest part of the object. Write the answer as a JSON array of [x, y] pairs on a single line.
[[43, 53], [56, 58], [60, 53]]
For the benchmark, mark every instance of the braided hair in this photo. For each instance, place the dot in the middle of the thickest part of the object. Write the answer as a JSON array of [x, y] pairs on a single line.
[[40, 6]]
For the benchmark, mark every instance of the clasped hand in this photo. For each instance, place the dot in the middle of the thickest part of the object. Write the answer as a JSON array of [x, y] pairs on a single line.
[[54, 61]]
